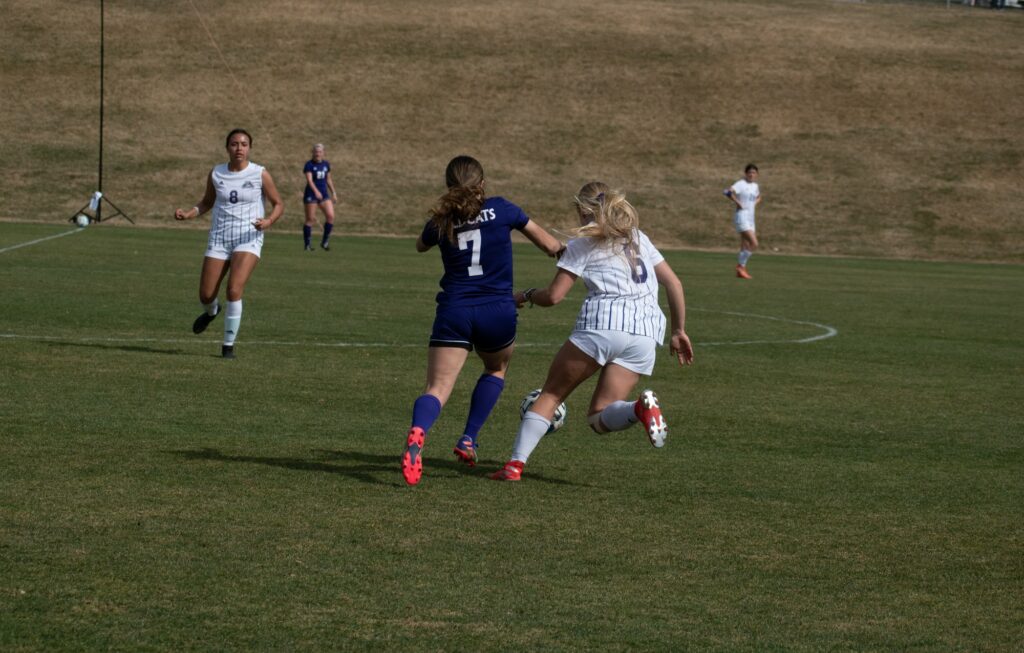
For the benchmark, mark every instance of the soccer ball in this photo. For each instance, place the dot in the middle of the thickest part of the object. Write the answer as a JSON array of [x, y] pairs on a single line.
[[557, 420], [82, 220]]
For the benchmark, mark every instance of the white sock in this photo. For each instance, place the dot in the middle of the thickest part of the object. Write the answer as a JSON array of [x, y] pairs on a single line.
[[212, 308], [232, 319], [531, 430], [619, 416], [744, 256]]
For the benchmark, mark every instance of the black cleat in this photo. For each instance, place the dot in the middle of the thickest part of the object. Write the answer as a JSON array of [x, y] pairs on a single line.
[[227, 351], [203, 321]]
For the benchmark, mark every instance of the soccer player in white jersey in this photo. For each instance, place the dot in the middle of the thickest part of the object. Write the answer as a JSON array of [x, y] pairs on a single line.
[[236, 192], [746, 195], [617, 329]]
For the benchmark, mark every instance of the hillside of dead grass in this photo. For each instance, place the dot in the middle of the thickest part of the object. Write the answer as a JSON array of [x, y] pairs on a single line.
[[881, 129]]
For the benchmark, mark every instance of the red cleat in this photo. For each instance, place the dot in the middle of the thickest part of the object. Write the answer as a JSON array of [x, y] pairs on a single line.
[[412, 462], [512, 471], [741, 272], [649, 414]]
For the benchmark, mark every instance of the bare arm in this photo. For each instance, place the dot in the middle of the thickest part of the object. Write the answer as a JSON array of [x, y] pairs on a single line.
[[204, 205], [312, 186], [553, 294], [270, 192], [330, 186], [680, 344], [544, 241]]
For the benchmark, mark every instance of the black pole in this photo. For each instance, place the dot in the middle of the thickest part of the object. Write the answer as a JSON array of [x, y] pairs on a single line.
[[99, 182]]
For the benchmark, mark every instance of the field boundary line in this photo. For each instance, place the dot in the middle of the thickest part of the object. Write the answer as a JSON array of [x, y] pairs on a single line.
[[39, 240], [828, 331]]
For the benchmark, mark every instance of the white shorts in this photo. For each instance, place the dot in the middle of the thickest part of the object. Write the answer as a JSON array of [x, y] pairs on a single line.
[[635, 353], [222, 250], [743, 222]]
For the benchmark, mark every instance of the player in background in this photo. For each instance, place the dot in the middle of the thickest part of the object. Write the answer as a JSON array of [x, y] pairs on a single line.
[[475, 308], [617, 329], [319, 192], [236, 192], [746, 195]]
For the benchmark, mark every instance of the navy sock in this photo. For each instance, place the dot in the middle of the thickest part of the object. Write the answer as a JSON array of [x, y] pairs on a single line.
[[485, 396], [425, 411], [328, 228], [307, 234]]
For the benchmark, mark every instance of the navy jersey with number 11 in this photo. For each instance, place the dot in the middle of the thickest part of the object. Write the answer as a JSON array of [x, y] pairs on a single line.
[[478, 267]]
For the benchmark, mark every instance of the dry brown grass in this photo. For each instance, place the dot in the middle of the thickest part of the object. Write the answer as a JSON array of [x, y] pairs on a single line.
[[881, 130]]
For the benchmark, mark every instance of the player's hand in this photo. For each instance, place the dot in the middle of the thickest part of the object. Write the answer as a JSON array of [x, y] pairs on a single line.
[[520, 299], [179, 214], [319, 195], [681, 347], [262, 225]]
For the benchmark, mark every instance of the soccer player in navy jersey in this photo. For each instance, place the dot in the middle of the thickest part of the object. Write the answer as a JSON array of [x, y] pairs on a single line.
[[617, 329], [475, 308], [319, 192]]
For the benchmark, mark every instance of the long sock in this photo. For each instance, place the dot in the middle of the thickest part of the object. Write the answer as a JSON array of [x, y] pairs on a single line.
[[485, 396], [425, 411], [328, 228], [307, 234], [212, 308], [744, 256], [232, 318], [531, 430], [619, 415]]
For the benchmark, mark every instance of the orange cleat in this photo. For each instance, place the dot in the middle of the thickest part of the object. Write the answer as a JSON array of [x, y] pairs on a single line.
[[741, 272], [512, 471], [412, 462], [465, 451], [649, 414]]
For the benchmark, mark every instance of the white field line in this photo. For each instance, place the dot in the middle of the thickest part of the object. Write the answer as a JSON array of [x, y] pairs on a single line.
[[827, 332], [39, 240]]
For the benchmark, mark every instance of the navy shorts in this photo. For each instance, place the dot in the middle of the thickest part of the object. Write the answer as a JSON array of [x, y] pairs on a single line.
[[487, 327], [310, 197]]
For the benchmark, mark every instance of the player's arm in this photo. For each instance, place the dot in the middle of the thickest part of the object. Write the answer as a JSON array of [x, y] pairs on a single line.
[[272, 196], [312, 186], [544, 241], [204, 205], [680, 344], [734, 198], [554, 293], [330, 186]]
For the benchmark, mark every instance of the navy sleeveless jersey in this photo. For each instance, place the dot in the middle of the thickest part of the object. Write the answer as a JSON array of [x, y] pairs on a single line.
[[478, 267]]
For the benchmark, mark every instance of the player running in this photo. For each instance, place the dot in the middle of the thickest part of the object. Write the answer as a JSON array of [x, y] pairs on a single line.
[[475, 308], [746, 195], [319, 192], [617, 329], [236, 191]]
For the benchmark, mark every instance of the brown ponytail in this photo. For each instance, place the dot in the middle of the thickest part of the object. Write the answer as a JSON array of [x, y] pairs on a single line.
[[464, 177]]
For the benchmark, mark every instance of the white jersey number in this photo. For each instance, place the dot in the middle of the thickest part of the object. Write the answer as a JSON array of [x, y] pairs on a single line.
[[465, 238]]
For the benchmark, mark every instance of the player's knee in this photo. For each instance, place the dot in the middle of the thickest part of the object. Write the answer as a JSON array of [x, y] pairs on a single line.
[[596, 424]]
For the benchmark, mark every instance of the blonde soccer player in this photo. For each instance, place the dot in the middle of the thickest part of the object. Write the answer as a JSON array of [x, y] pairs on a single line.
[[236, 192], [618, 327], [746, 195], [319, 192]]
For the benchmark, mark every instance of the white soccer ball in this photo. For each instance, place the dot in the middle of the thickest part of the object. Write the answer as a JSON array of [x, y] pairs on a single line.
[[557, 420], [82, 220]]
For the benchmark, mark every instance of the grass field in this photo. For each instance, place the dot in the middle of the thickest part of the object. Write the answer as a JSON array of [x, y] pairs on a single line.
[[857, 492], [882, 129]]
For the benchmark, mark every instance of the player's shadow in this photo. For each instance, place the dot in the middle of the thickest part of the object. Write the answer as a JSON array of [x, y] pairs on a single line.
[[128, 348], [359, 466]]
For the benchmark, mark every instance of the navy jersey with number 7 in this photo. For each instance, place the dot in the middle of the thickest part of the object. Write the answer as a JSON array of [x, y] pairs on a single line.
[[478, 267]]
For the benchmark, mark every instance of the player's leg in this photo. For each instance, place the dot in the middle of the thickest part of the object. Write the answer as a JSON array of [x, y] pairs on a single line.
[[568, 370], [307, 227], [210, 278], [748, 243], [609, 408], [443, 366], [242, 266], [327, 206]]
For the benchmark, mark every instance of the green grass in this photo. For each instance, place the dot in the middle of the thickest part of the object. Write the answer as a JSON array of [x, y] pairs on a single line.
[[862, 492]]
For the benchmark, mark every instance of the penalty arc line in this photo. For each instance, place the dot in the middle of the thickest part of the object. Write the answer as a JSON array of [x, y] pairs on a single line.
[[40, 240]]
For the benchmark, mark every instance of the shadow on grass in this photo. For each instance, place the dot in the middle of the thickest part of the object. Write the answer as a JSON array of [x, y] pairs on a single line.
[[128, 348], [357, 465]]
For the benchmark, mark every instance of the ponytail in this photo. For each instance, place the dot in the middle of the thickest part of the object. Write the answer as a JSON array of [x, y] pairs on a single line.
[[464, 177]]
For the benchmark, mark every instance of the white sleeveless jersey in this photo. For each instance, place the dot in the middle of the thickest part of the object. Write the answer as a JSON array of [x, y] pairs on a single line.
[[618, 298], [747, 193], [239, 203]]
